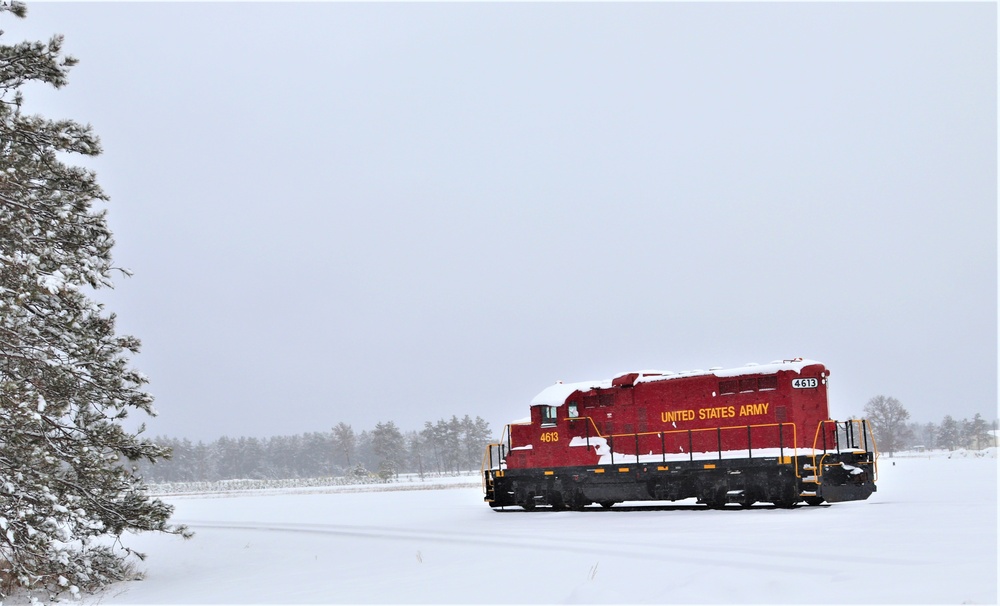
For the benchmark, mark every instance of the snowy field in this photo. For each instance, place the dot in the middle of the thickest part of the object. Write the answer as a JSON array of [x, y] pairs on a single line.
[[929, 535]]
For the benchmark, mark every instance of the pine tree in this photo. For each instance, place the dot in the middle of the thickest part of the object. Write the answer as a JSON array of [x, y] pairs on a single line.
[[344, 443], [928, 434], [451, 443], [415, 447], [388, 446], [364, 455], [431, 441], [965, 433], [948, 434], [67, 466], [475, 436], [979, 432]]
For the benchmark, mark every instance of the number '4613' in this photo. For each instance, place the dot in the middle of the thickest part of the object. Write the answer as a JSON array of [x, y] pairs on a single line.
[[550, 436]]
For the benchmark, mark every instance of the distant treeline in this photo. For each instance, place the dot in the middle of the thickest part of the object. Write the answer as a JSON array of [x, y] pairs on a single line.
[[446, 446], [949, 434]]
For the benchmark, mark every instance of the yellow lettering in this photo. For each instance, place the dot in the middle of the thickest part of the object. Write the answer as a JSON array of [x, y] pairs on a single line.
[[677, 415], [753, 410], [719, 412]]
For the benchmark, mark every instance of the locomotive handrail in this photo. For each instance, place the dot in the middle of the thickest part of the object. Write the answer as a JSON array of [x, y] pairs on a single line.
[[591, 419], [860, 424], [817, 467], [794, 448], [855, 423], [871, 436], [487, 461], [656, 433], [510, 438], [482, 469], [862, 428]]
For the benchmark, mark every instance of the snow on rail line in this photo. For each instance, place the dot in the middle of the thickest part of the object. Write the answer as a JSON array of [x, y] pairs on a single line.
[[326, 485]]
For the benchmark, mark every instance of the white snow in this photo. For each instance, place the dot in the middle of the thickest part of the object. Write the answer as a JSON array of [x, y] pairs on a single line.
[[929, 535], [600, 446], [53, 282], [555, 395]]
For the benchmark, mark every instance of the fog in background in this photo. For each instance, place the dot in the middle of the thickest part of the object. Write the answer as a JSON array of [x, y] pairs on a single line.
[[370, 212]]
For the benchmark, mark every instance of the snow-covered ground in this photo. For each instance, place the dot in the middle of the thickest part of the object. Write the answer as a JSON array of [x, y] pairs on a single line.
[[929, 535]]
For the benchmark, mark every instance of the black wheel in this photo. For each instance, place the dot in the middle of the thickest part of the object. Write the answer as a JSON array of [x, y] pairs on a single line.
[[785, 494], [529, 504], [716, 498], [577, 502], [814, 501], [785, 502], [607, 504], [556, 501]]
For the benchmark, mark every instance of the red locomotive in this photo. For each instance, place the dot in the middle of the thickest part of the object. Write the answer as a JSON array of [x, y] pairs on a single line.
[[760, 433]]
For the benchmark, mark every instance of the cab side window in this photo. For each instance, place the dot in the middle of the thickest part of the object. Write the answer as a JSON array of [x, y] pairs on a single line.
[[549, 415]]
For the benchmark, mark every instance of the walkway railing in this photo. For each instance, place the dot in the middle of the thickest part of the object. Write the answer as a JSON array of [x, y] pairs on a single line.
[[853, 435], [712, 442], [734, 438]]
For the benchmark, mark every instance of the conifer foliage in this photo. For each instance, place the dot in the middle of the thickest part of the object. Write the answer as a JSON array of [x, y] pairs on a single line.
[[68, 487]]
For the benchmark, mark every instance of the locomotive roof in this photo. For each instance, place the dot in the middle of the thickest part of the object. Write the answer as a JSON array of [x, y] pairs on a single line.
[[555, 395]]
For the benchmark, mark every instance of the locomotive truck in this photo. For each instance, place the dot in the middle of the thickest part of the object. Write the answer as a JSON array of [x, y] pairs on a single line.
[[760, 433]]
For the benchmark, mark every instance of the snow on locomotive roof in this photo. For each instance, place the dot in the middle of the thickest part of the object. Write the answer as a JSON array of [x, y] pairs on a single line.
[[555, 395]]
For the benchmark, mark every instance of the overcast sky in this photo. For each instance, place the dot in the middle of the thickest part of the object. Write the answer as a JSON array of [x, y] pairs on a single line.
[[372, 212]]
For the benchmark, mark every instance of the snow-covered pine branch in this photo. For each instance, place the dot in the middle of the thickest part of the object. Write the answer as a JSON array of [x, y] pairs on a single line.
[[67, 467]]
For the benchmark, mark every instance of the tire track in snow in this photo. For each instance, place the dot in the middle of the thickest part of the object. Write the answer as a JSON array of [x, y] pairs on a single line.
[[811, 563], [314, 490]]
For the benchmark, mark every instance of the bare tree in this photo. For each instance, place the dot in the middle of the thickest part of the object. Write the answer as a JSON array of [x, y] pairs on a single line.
[[888, 419]]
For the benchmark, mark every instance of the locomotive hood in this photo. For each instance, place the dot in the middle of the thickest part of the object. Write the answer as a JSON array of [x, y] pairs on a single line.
[[556, 395]]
